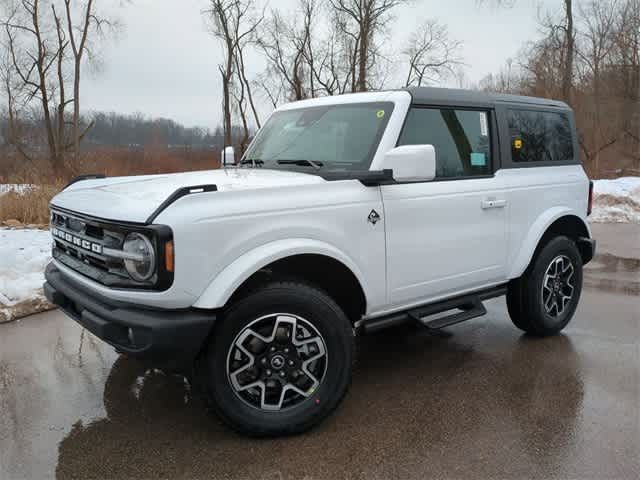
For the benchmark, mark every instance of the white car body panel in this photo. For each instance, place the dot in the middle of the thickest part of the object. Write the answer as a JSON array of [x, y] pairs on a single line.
[[134, 199], [439, 238], [434, 240], [226, 283], [328, 218], [537, 198]]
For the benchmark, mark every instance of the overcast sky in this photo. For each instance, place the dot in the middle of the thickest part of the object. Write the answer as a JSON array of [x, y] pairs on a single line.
[[165, 63]]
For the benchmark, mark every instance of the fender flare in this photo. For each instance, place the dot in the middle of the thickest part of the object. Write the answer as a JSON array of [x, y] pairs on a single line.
[[224, 285], [534, 235]]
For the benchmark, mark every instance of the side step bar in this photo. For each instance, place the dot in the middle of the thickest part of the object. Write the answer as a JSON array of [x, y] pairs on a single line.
[[471, 306], [469, 311]]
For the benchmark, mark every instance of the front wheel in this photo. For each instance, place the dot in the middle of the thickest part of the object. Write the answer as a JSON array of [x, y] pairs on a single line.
[[280, 360], [545, 298]]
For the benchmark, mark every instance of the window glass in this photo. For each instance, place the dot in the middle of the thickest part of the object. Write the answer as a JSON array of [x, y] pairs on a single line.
[[461, 139], [334, 137], [540, 136]]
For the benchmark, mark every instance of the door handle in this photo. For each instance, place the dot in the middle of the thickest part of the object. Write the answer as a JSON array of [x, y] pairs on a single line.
[[493, 203]]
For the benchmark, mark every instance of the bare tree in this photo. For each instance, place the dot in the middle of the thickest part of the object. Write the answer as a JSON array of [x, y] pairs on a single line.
[[626, 55], [597, 45], [12, 135], [234, 23], [78, 35], [32, 60], [431, 54], [304, 61], [63, 43], [604, 81], [43, 47], [283, 46], [221, 11], [564, 37], [363, 21], [567, 73]]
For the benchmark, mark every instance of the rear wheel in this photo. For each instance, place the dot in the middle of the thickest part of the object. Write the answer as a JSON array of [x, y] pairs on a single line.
[[545, 298], [280, 360]]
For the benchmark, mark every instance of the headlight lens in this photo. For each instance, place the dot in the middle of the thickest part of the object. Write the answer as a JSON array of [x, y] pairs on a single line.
[[142, 265]]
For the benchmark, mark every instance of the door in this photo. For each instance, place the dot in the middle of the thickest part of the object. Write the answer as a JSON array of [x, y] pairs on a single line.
[[447, 236]]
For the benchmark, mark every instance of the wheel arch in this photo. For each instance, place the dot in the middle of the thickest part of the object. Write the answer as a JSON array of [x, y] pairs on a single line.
[[557, 221], [317, 262]]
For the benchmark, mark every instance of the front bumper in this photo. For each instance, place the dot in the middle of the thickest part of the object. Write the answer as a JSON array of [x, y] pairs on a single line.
[[164, 338]]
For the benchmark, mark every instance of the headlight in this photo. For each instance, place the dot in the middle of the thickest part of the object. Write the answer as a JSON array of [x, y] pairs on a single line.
[[141, 264]]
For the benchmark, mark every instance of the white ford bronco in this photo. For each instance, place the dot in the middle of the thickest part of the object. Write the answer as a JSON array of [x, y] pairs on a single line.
[[345, 215]]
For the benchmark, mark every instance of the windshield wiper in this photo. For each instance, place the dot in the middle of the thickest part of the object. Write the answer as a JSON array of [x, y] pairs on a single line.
[[302, 163], [252, 161]]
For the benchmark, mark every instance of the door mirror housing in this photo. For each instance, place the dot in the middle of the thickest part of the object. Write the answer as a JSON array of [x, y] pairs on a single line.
[[412, 163], [227, 157]]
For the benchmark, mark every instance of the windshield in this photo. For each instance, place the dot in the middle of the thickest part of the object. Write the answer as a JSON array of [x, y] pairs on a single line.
[[334, 137]]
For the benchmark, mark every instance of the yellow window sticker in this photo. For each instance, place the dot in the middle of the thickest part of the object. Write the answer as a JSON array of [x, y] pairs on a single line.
[[380, 114], [517, 144]]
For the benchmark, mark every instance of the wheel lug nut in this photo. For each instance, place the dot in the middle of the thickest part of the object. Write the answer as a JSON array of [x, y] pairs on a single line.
[[291, 363], [263, 361], [268, 373], [273, 349], [286, 350], [282, 374]]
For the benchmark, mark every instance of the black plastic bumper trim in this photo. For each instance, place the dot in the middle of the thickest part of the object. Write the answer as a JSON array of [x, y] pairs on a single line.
[[587, 248], [165, 338]]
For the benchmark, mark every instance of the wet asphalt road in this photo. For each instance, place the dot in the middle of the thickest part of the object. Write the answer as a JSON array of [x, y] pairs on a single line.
[[486, 402]]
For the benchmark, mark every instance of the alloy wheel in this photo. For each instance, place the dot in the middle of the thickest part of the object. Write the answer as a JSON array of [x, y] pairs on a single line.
[[557, 286], [277, 362]]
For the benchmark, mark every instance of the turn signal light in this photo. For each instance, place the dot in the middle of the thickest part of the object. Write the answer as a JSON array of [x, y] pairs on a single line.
[[168, 256]]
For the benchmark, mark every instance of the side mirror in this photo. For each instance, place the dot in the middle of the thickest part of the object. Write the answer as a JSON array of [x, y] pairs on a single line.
[[227, 156], [412, 163]]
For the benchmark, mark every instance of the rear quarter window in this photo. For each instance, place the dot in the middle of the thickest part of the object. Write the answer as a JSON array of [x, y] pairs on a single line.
[[539, 136]]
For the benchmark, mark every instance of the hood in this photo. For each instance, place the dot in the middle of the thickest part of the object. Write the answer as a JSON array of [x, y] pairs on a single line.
[[135, 199]]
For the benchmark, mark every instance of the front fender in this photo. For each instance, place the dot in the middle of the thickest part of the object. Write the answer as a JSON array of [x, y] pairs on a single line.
[[534, 235], [227, 282]]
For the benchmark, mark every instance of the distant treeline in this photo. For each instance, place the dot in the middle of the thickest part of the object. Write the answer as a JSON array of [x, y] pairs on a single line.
[[113, 144], [124, 130], [115, 129]]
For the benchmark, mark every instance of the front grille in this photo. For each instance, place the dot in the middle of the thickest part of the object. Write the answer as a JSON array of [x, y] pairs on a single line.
[[80, 243], [92, 247]]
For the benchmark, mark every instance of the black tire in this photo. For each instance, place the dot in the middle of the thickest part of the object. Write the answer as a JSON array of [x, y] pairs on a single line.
[[525, 296], [324, 315]]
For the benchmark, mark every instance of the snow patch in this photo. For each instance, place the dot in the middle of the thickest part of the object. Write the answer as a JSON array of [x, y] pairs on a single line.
[[15, 187], [616, 201], [23, 257]]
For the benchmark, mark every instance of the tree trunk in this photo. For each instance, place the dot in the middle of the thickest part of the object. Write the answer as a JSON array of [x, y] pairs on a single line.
[[226, 106], [567, 77], [362, 57], [76, 109]]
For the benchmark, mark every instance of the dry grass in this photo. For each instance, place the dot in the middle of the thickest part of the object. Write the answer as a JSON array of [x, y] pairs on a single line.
[[30, 207]]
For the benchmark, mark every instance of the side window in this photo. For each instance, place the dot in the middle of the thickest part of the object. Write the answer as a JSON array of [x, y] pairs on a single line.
[[538, 136], [461, 139]]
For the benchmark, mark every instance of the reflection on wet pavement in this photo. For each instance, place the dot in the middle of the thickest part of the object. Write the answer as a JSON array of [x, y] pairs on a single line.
[[486, 402], [611, 273]]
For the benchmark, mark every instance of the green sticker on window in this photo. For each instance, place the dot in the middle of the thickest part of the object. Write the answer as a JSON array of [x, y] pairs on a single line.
[[380, 114], [478, 160]]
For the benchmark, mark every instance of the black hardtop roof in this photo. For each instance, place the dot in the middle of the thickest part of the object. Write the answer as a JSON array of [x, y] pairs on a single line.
[[453, 96]]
